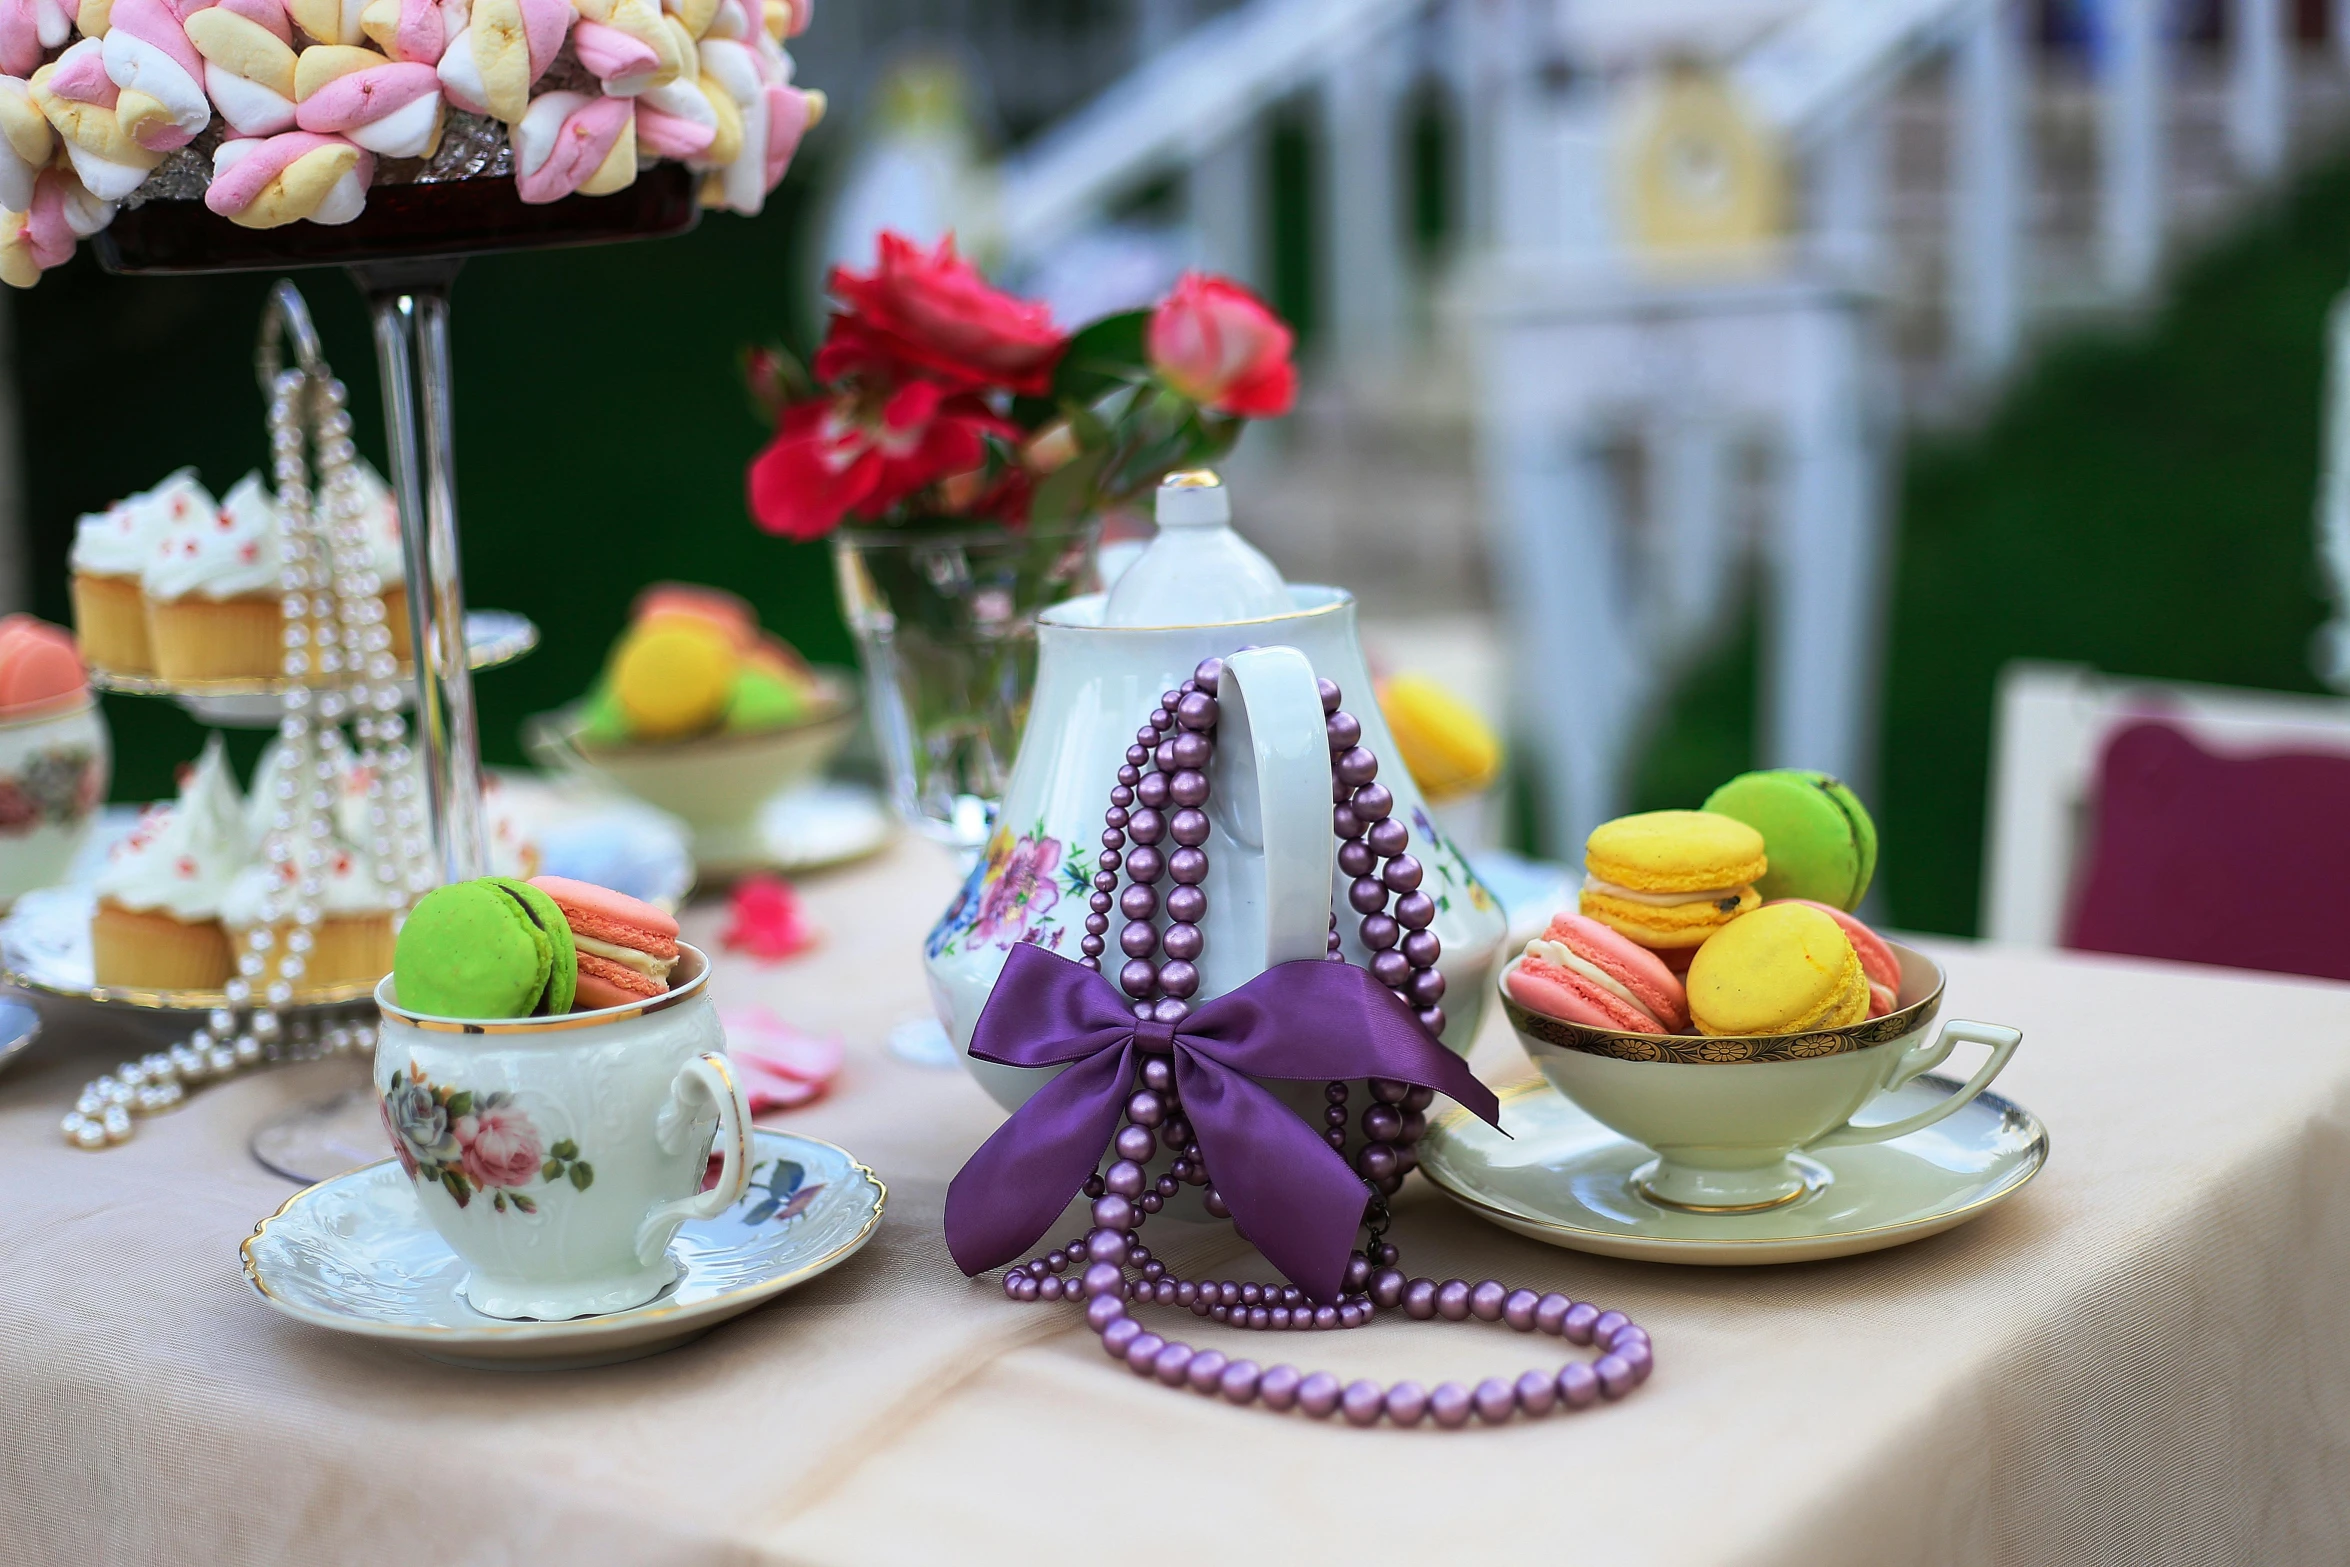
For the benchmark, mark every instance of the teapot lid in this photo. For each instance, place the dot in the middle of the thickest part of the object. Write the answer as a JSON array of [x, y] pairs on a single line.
[[1198, 571]]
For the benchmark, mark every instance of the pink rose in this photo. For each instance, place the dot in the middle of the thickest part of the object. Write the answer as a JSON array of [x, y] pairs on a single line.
[[499, 1147], [1216, 343]]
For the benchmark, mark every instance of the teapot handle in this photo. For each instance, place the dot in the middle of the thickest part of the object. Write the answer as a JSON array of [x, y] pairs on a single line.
[[1272, 693]]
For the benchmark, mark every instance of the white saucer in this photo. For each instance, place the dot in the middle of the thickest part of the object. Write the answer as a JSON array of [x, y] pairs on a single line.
[[1562, 1177], [354, 1254]]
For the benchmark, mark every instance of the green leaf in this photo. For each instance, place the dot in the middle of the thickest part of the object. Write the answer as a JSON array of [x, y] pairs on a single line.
[[461, 1103], [1069, 492], [457, 1186], [1105, 355], [583, 1175], [566, 1149], [551, 1170]]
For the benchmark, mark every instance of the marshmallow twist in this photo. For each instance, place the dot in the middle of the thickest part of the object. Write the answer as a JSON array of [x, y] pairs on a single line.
[[264, 182], [328, 21], [570, 142], [159, 73], [77, 97], [26, 144], [60, 215], [29, 29], [389, 107], [629, 45], [772, 115], [499, 50], [413, 30], [248, 50]]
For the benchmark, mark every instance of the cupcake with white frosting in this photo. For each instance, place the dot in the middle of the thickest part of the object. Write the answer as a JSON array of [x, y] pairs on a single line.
[[158, 921], [211, 586], [351, 942], [111, 549]]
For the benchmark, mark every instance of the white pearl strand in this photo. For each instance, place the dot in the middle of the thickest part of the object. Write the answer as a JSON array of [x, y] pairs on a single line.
[[353, 675]]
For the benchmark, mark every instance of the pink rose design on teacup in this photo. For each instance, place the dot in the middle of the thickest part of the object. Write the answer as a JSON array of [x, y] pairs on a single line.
[[499, 1146]]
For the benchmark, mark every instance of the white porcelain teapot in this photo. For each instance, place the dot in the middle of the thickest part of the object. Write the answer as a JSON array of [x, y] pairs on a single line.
[[1198, 592]]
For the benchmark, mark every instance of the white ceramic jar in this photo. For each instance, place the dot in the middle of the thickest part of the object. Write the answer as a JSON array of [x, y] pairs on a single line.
[[54, 768]]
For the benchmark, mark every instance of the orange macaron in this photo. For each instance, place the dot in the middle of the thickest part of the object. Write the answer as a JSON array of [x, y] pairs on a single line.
[[626, 946]]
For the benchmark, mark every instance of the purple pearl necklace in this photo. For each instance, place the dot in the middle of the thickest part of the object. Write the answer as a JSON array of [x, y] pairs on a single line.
[[1168, 802]]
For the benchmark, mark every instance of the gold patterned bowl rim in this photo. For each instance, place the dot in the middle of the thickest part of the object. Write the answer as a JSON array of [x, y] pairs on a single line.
[[1919, 973], [691, 960], [612, 1322]]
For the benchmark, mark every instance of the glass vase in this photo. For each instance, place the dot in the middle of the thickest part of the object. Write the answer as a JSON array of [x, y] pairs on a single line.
[[945, 620]]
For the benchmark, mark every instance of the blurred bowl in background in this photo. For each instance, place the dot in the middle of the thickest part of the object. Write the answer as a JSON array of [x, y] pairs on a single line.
[[716, 784]]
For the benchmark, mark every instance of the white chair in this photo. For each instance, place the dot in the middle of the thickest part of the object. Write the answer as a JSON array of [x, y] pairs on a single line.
[[2052, 725]]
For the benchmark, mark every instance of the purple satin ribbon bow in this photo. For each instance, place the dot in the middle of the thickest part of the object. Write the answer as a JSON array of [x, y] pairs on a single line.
[[1291, 1194]]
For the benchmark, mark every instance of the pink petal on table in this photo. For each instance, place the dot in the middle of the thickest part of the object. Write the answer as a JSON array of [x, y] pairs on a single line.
[[767, 920]]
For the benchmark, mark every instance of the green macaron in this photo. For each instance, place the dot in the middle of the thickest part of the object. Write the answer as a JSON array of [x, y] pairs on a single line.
[[1818, 835], [492, 948]]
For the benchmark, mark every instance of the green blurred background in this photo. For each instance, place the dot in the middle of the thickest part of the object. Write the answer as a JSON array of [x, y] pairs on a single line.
[[2141, 500]]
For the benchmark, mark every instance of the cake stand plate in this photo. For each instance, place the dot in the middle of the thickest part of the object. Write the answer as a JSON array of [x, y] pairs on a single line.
[[45, 947], [494, 638]]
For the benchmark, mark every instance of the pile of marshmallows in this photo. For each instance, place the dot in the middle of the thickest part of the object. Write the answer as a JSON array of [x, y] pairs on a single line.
[[95, 96]]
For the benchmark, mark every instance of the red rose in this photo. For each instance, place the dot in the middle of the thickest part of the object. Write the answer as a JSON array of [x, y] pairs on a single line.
[[829, 458], [1216, 343], [935, 315]]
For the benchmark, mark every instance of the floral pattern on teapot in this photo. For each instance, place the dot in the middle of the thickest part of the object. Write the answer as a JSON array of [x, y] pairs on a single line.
[[466, 1142], [1012, 893], [1446, 865]]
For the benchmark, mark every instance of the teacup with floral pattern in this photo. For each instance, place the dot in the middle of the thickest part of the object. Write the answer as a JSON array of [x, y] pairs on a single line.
[[558, 1155]]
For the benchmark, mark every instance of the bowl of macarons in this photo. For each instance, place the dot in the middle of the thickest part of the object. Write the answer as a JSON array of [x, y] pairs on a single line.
[[701, 713], [1714, 997]]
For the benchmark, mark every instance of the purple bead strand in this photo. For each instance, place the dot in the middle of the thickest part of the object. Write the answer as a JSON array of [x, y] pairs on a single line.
[[1147, 810]]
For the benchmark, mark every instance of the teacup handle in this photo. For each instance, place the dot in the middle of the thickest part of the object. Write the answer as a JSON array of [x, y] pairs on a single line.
[[706, 1081], [1923, 1058]]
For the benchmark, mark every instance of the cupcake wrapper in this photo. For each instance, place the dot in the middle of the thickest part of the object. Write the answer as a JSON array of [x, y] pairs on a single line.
[[138, 949], [217, 639], [345, 949], [110, 618]]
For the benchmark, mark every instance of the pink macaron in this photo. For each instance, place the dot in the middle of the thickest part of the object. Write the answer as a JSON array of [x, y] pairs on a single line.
[[1582, 972], [1877, 960]]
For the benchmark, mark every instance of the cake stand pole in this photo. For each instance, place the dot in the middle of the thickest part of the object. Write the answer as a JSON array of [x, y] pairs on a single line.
[[410, 303]]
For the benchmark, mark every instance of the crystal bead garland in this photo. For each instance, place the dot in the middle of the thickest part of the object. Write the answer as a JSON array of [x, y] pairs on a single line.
[[1146, 810], [338, 666]]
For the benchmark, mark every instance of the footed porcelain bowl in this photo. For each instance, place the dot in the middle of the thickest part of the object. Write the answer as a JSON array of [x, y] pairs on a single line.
[[1728, 1116]]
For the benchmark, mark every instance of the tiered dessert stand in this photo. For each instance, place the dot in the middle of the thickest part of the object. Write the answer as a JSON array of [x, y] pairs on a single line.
[[404, 252]]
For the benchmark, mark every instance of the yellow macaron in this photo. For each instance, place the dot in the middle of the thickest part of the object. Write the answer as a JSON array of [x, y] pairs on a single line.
[[1670, 879], [1784, 969], [672, 677]]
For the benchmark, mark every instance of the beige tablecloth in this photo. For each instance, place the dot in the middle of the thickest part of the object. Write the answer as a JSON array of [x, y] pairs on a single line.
[[2142, 1359]]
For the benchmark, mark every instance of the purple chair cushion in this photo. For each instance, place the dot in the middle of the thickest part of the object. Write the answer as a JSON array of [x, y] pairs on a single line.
[[2236, 860]]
